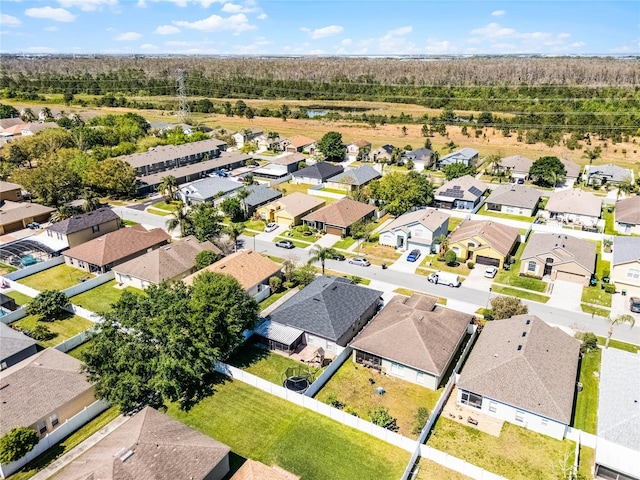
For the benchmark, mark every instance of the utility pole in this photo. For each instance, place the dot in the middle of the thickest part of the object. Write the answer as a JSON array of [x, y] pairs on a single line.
[[183, 106]]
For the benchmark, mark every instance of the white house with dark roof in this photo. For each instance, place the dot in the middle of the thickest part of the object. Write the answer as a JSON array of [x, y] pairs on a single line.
[[523, 371], [625, 266], [316, 174], [463, 193], [513, 199], [466, 156], [210, 189], [627, 215], [415, 229]]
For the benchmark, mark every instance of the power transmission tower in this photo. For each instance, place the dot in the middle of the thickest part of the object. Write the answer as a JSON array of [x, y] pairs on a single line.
[[183, 106]]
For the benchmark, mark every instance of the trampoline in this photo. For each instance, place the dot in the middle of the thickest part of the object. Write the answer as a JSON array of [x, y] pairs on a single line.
[[297, 384]]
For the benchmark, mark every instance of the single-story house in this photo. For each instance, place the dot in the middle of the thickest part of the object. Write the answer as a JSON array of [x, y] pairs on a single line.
[[419, 228], [103, 253], [625, 267], [354, 178], [516, 166], [252, 470], [15, 346], [149, 445], [618, 427], [523, 371], [573, 169], [7, 123], [610, 173], [260, 195], [17, 215], [627, 215], [10, 191], [171, 262], [463, 193], [514, 199], [290, 209], [300, 144], [326, 314], [485, 242], [412, 338], [81, 228], [244, 136], [560, 256], [317, 173], [383, 153], [337, 218], [211, 189], [358, 147], [467, 156], [251, 269], [574, 206], [420, 155], [271, 171]]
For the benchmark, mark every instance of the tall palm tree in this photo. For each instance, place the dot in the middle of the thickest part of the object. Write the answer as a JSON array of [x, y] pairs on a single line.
[[619, 320], [626, 186], [28, 115], [61, 213], [435, 156], [234, 230], [179, 218], [168, 185], [91, 201], [320, 254], [45, 113], [443, 241], [242, 195], [554, 178], [592, 154], [494, 162]]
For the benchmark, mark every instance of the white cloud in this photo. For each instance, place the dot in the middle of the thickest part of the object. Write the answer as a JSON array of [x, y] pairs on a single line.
[[435, 46], [346, 42], [49, 13], [236, 23], [9, 20], [394, 41], [88, 5], [564, 35], [183, 3], [327, 31], [166, 30], [51, 29], [235, 8], [177, 43], [498, 13], [577, 44], [305, 29], [263, 16], [124, 37], [493, 30], [148, 47], [401, 31]]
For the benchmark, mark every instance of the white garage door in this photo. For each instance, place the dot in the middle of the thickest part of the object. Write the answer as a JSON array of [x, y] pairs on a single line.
[[571, 277]]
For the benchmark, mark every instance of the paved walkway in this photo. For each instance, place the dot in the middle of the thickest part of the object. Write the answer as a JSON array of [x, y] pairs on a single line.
[[566, 295]]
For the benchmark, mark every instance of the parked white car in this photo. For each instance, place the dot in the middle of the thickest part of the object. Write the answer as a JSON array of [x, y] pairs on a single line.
[[490, 272], [271, 227]]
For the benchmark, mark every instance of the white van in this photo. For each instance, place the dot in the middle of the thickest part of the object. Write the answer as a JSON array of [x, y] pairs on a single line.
[[445, 278]]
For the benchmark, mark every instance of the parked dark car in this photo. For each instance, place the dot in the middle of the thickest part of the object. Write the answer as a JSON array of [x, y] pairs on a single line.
[[285, 244], [634, 304], [338, 256], [414, 255]]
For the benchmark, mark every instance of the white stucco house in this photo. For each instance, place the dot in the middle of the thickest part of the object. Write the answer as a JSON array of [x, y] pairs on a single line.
[[415, 229]]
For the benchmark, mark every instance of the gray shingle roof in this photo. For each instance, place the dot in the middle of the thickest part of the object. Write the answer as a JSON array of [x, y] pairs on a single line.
[[575, 201], [515, 195], [261, 194], [357, 176], [625, 250], [465, 154], [610, 172], [573, 169], [209, 187], [319, 171], [517, 164], [566, 248], [628, 211], [430, 218], [327, 307], [171, 152], [419, 155], [530, 366], [84, 220], [12, 341], [462, 188]]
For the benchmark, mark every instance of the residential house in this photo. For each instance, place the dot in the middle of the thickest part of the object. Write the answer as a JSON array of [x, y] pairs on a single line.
[[357, 148], [291, 161], [150, 444], [353, 179], [252, 470], [523, 371], [15, 346], [625, 267], [618, 427], [412, 338], [164, 127], [466, 156], [627, 216], [300, 144], [171, 262], [611, 174], [574, 206], [7, 123], [246, 136], [464, 193], [81, 228], [251, 269], [260, 195], [559, 256], [103, 253], [420, 156], [415, 229], [515, 166], [573, 169], [338, 218], [383, 153], [272, 143], [18, 215], [10, 191], [35, 127], [485, 242], [316, 174], [514, 199], [325, 315], [289, 210], [210, 189]]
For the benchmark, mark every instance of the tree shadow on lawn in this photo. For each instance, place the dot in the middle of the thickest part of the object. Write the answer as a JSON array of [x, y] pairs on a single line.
[[247, 354]]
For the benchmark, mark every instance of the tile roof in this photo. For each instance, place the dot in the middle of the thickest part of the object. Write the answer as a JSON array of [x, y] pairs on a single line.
[[161, 448], [247, 266], [567, 248], [501, 237], [12, 341], [532, 366], [328, 306], [297, 203], [300, 141], [415, 332], [37, 386], [462, 188], [342, 213], [517, 163], [430, 218], [261, 194], [574, 201], [628, 210], [171, 152], [117, 245], [209, 187], [166, 262], [252, 470], [10, 122], [625, 250], [83, 221], [319, 171], [515, 195], [11, 212], [357, 176]]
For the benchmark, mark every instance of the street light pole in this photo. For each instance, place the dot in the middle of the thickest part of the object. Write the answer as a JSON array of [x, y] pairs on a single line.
[[488, 299]]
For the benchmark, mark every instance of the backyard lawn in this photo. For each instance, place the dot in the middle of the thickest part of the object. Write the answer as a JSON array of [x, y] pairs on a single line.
[[80, 349], [59, 277], [273, 298], [429, 470], [4, 269], [519, 218], [351, 386], [609, 224], [274, 431], [585, 414], [20, 298], [100, 298], [525, 294], [517, 454], [66, 327], [454, 222], [512, 276]]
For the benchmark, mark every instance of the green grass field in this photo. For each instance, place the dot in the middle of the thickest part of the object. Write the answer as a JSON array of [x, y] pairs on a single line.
[[59, 277], [512, 276], [4, 269], [100, 298], [262, 363], [67, 326], [344, 243], [20, 298], [525, 294], [585, 413], [627, 347], [489, 213], [600, 312], [428, 470], [80, 349], [596, 296]]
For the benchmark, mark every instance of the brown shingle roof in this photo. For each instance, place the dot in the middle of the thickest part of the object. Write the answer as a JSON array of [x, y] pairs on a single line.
[[117, 245], [161, 448], [575, 201], [288, 159], [573, 169], [535, 371], [567, 248], [252, 470], [297, 203], [415, 332], [37, 386], [500, 237], [361, 143], [300, 141], [430, 218], [6, 123], [628, 211], [343, 213], [246, 266], [11, 212], [6, 186], [171, 152]]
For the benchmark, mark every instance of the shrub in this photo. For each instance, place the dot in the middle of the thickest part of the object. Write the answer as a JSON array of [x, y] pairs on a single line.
[[610, 287], [420, 420], [205, 258], [334, 402], [275, 283], [351, 411], [487, 313], [470, 265], [42, 333], [17, 443], [450, 257], [355, 279], [589, 342], [304, 275], [381, 417], [289, 284], [507, 307], [48, 305]]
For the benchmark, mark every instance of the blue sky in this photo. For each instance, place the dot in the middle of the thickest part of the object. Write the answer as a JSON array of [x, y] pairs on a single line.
[[320, 27]]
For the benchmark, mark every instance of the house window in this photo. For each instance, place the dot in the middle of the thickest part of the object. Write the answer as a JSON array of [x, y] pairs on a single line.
[[95, 228], [531, 266], [420, 377], [519, 416], [42, 426], [471, 399], [54, 420], [633, 273], [397, 369], [493, 407], [80, 263], [549, 260]]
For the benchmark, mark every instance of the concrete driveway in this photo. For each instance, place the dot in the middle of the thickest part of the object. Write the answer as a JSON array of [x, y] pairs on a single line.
[[271, 236], [620, 304], [327, 240], [566, 295], [401, 265], [477, 280]]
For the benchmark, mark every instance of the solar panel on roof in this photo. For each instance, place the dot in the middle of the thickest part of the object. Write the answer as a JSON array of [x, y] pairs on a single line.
[[475, 191], [454, 193]]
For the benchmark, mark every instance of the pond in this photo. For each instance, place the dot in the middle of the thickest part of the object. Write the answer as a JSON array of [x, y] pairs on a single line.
[[317, 113]]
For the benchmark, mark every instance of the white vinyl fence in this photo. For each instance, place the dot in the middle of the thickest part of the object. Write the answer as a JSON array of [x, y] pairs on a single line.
[[18, 287], [38, 267], [324, 377], [88, 284], [75, 341], [14, 316]]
